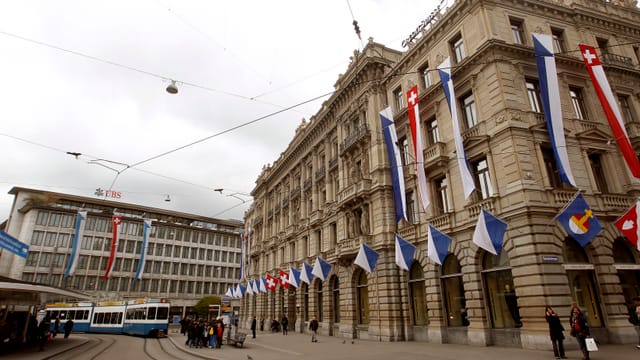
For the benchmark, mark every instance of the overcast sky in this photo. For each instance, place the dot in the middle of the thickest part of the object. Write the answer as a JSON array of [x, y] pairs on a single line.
[[90, 77]]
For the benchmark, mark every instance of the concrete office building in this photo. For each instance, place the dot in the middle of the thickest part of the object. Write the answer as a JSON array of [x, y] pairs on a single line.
[[330, 190], [187, 257]]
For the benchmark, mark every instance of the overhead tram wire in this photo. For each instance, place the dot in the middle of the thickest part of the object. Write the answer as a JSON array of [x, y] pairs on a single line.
[[130, 68]]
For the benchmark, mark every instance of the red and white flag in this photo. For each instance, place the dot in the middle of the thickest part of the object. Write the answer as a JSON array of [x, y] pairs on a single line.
[[628, 224], [416, 135], [271, 283], [284, 279], [116, 221], [610, 107]]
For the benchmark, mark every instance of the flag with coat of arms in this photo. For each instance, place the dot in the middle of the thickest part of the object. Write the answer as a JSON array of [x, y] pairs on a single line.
[[628, 225], [578, 220]]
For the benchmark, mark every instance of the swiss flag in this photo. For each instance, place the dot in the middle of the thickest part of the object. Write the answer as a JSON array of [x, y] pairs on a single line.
[[271, 283], [628, 224], [284, 279]]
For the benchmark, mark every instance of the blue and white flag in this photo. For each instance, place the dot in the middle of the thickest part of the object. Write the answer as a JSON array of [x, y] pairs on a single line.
[[239, 291], [263, 285], [438, 245], [229, 292], [550, 96], [321, 269], [249, 288], [367, 258], [489, 232], [468, 184], [294, 277], [81, 218], [404, 253], [306, 273], [146, 228], [397, 174], [254, 286], [578, 220]]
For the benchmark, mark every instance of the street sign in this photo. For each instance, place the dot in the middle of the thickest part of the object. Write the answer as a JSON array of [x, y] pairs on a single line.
[[14, 245]]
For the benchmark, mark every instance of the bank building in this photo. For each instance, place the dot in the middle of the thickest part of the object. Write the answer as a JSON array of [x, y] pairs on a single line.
[[331, 189]]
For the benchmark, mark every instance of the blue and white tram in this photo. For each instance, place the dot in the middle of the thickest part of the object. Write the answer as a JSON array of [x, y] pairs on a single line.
[[108, 317], [80, 313], [147, 317], [136, 317]]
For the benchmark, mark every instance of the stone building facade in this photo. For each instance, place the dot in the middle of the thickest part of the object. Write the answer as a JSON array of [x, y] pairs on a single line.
[[187, 257], [330, 190]]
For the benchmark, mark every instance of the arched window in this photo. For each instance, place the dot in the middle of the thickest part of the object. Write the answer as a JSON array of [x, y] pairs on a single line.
[[362, 295], [417, 293], [335, 287], [319, 300], [501, 296], [582, 281], [628, 269], [453, 291]]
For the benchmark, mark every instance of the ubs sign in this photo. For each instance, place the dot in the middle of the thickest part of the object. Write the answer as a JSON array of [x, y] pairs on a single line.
[[423, 25]]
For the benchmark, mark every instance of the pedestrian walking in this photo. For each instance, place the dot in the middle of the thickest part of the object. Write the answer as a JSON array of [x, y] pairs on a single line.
[[555, 332], [313, 326], [43, 332], [579, 329], [220, 333], [285, 324], [56, 326], [213, 334], [253, 327], [68, 327]]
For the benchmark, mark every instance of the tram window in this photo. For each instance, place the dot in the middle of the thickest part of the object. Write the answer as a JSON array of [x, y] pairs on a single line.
[[130, 314], [119, 318], [71, 315], [163, 313], [152, 313], [63, 315], [100, 318], [85, 315], [107, 318]]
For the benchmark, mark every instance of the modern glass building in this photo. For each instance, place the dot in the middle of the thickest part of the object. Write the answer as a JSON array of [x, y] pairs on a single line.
[[186, 257]]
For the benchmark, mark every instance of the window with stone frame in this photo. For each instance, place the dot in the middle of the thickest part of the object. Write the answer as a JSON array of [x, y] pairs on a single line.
[[362, 298], [517, 30], [597, 169], [453, 292], [482, 178], [417, 294]]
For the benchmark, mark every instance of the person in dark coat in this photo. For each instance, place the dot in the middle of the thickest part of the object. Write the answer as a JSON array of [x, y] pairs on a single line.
[[43, 332], [253, 327], [285, 324], [313, 326], [68, 327], [555, 332], [579, 329], [56, 326]]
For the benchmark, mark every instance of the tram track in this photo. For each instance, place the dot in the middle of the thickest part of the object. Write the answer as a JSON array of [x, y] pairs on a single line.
[[91, 350]]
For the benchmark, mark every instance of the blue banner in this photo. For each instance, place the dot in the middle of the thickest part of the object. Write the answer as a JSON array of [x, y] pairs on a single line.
[[13, 245]]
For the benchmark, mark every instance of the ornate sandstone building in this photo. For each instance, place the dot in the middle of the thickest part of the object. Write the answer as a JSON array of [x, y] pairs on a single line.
[[330, 190]]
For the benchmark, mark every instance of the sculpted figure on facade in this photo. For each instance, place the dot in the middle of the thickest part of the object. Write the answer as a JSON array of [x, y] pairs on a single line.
[[351, 225], [364, 221]]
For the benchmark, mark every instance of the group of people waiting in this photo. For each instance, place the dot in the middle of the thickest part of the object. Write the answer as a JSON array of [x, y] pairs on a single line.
[[201, 333]]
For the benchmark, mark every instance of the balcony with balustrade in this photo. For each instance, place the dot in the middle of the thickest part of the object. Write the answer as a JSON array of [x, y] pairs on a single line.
[[617, 60], [354, 191], [359, 134]]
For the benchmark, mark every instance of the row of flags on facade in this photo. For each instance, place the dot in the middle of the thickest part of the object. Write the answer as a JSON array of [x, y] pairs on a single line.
[[116, 222], [576, 217]]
